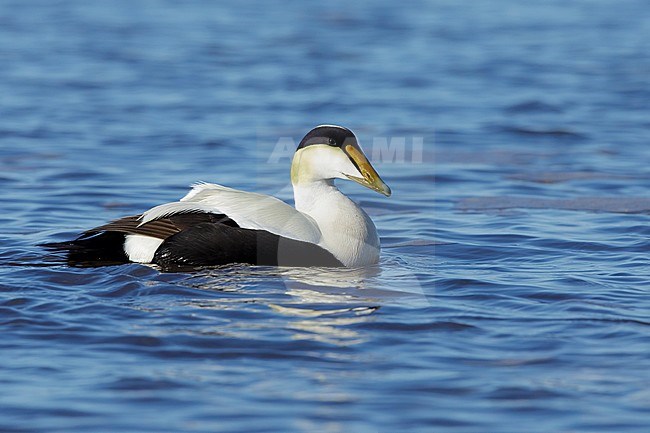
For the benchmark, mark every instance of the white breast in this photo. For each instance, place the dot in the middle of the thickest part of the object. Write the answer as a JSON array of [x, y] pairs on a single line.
[[347, 231]]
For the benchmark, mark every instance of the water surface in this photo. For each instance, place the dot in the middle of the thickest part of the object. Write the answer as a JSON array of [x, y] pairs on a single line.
[[512, 293]]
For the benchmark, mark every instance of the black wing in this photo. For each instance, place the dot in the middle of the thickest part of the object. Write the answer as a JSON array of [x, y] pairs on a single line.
[[104, 245], [193, 239], [160, 228]]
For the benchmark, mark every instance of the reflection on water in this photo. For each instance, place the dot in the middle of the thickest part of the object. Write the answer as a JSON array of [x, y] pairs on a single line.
[[358, 284], [331, 277], [341, 297], [324, 325]]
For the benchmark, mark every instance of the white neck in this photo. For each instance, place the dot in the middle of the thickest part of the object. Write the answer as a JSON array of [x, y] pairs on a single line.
[[347, 231]]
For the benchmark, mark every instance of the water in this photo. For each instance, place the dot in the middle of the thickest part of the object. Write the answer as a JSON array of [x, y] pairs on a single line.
[[512, 294]]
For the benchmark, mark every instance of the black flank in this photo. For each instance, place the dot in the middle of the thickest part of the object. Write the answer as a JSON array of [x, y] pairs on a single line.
[[210, 244]]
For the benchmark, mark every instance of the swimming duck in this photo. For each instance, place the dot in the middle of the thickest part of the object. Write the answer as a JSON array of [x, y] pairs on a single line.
[[214, 224]]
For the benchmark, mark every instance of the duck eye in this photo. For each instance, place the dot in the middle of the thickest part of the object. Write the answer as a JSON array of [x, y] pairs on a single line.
[[332, 142]]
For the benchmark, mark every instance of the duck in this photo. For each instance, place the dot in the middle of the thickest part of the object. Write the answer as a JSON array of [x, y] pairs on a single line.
[[217, 225]]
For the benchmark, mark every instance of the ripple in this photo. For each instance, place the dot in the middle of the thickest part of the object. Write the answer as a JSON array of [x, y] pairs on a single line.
[[556, 133], [533, 106], [557, 177], [590, 204]]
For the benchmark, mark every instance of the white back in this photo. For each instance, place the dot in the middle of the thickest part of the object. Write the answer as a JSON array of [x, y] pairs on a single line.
[[248, 209]]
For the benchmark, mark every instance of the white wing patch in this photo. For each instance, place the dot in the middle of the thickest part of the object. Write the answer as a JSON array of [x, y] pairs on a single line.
[[140, 248], [248, 209]]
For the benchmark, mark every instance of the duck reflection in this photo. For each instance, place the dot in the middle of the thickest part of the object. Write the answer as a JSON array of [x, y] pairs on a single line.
[[325, 305], [331, 326]]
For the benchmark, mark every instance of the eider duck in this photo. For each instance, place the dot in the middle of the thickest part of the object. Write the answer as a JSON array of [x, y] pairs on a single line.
[[216, 225]]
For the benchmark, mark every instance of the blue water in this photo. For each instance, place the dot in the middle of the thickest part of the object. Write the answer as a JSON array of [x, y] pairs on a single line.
[[513, 289]]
